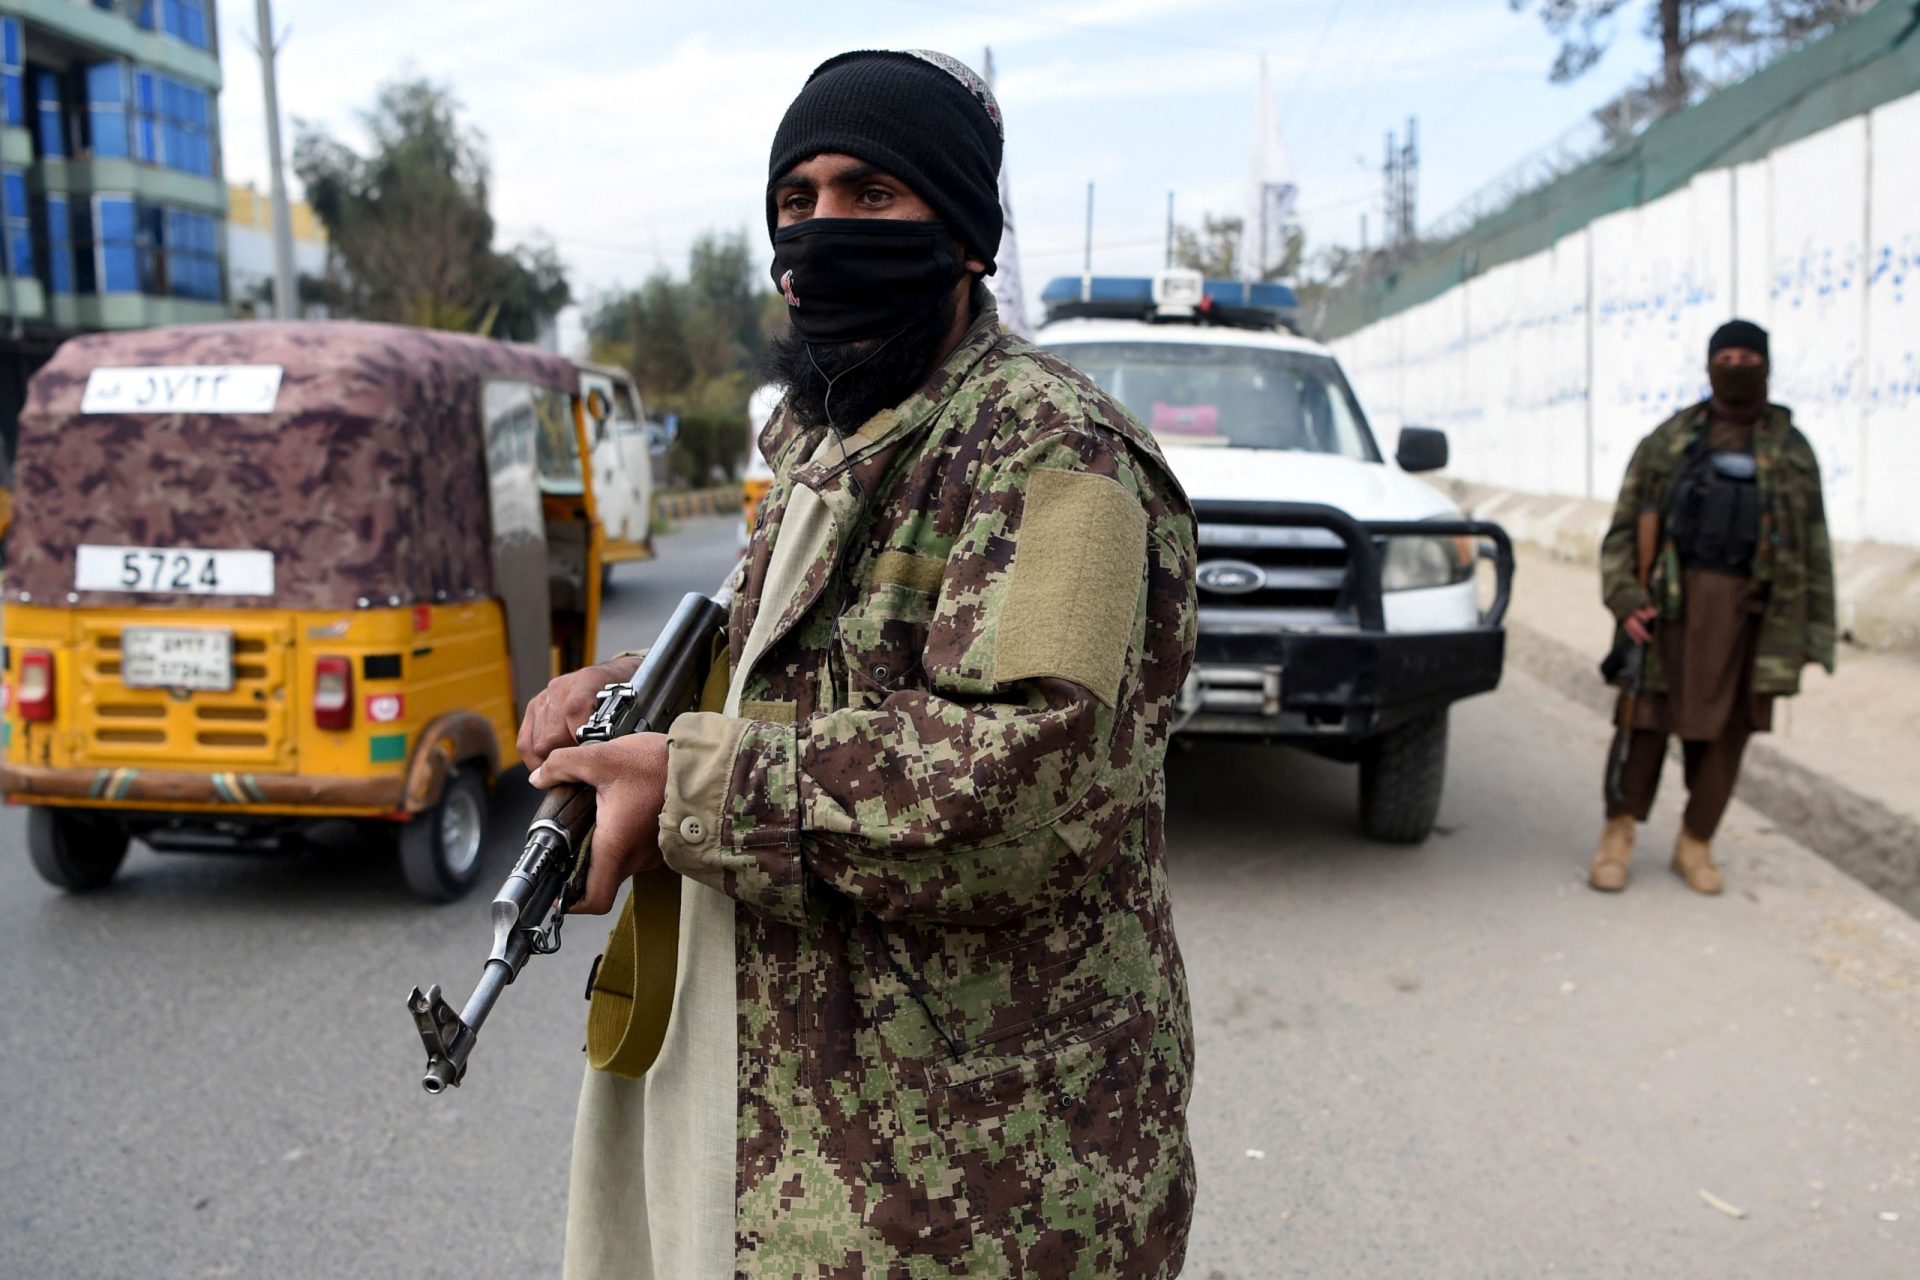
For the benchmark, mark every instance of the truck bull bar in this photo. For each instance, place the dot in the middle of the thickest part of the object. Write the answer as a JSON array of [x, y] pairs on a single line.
[[1355, 678], [1363, 554]]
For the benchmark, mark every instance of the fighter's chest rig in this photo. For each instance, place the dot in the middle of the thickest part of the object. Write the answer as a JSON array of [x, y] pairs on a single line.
[[1714, 513]]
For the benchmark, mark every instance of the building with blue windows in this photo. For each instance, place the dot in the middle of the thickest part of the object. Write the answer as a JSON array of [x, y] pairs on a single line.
[[112, 205]]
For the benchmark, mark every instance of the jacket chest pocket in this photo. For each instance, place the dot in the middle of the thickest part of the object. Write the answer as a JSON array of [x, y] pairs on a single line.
[[880, 643]]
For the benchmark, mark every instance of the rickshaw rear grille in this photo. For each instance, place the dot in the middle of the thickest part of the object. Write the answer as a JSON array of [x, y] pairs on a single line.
[[131, 711], [246, 726], [129, 736], [229, 738], [254, 714]]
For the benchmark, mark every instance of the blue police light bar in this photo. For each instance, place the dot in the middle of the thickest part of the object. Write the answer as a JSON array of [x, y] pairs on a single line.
[[1229, 302]]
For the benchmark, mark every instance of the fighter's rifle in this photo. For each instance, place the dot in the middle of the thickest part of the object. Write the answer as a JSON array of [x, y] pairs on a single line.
[[531, 905], [1629, 660]]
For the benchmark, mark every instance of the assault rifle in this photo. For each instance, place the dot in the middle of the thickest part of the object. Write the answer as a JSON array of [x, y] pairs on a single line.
[[1627, 663], [531, 906]]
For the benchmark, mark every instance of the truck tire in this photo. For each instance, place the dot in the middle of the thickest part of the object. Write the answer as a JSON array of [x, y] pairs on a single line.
[[441, 849], [74, 852], [1402, 773]]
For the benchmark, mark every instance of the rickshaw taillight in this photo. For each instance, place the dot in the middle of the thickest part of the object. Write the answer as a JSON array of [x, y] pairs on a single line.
[[333, 693], [35, 695]]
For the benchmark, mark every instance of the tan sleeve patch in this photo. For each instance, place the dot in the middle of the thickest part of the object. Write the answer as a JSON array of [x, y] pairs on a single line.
[[876, 426], [777, 712], [1077, 565], [903, 568]]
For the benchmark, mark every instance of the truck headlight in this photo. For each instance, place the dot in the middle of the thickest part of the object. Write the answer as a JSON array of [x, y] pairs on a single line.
[[1410, 564]]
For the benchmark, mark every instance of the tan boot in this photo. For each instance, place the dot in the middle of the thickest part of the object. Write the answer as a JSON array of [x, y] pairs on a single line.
[[1609, 871], [1693, 862]]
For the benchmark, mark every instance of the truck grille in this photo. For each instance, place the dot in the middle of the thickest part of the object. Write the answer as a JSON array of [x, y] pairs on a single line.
[[247, 725], [1272, 575]]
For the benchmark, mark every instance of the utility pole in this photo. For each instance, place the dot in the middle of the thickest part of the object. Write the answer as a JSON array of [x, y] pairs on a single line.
[[1410, 181], [1390, 195], [1169, 261], [1086, 270], [1400, 176], [283, 300]]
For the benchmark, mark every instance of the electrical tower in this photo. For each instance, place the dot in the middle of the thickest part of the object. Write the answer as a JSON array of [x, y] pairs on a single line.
[[1401, 175]]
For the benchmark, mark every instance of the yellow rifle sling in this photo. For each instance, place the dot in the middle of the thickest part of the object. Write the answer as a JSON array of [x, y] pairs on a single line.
[[632, 994]]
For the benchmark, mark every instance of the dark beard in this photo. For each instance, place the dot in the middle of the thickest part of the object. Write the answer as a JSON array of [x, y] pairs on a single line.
[[864, 377]]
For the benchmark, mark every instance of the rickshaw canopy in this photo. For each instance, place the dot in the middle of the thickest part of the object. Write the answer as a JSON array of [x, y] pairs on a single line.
[[358, 455]]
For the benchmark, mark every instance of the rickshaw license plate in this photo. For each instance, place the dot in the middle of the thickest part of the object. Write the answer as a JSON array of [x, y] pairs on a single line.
[[176, 658], [183, 570]]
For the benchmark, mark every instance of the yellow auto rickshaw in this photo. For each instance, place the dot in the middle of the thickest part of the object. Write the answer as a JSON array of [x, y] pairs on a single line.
[[269, 575]]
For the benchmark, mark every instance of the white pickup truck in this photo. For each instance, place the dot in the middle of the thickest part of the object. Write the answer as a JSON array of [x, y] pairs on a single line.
[[1339, 606]]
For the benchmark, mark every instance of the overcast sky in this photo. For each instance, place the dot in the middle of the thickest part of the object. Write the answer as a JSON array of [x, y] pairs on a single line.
[[622, 129]]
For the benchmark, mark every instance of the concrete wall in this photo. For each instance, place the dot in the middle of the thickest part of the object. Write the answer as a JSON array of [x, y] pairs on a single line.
[[1546, 371]]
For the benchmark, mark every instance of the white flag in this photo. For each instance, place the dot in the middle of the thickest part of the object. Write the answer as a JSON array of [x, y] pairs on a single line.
[[1272, 194], [1005, 282]]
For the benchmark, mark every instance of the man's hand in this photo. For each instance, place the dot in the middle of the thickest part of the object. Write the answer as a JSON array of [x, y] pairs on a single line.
[[629, 779], [1634, 624], [564, 705]]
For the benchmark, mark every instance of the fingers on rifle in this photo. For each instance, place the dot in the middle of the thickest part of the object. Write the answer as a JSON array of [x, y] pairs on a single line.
[[603, 881], [537, 738], [559, 766], [603, 884]]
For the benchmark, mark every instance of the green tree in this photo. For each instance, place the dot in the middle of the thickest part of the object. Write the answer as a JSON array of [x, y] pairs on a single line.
[[1214, 249], [1686, 30], [693, 343], [409, 228]]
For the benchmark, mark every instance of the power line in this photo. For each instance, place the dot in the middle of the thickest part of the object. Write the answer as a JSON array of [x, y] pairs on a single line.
[[1313, 56], [1096, 28]]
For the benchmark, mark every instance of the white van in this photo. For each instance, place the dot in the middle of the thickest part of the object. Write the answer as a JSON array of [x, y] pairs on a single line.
[[622, 468]]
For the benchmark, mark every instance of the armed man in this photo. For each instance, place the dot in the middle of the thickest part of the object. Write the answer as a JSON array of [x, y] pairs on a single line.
[[930, 1016], [1718, 569]]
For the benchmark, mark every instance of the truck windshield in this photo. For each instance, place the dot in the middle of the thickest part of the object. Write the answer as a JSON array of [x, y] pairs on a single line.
[[1194, 394]]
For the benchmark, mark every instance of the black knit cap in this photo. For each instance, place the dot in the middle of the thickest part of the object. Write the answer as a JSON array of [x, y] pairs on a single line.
[[1742, 334], [926, 118]]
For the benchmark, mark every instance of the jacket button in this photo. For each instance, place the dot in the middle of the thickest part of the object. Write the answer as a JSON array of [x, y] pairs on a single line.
[[692, 830], [881, 672]]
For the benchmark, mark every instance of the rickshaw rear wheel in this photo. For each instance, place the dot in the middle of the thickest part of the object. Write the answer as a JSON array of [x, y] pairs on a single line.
[[440, 850], [73, 851]]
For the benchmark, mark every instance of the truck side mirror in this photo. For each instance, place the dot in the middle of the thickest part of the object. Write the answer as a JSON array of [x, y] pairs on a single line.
[[1421, 449]]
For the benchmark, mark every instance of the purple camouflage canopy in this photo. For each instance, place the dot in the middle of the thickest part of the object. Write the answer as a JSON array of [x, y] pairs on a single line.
[[367, 480]]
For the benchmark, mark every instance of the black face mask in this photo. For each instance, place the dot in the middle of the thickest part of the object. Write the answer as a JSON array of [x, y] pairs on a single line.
[[854, 279], [1738, 386]]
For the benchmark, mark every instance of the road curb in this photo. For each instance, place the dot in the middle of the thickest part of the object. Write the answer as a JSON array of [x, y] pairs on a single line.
[[720, 500], [1856, 833]]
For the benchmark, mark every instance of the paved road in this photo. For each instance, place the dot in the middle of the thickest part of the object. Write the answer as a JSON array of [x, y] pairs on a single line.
[[1449, 1061]]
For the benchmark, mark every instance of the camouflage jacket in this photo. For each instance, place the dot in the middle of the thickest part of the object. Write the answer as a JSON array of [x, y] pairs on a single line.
[[1793, 567], [964, 1040]]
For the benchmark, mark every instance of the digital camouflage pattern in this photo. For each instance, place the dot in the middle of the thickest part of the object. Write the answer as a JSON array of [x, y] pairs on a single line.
[[367, 481], [1793, 565], [965, 1046]]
